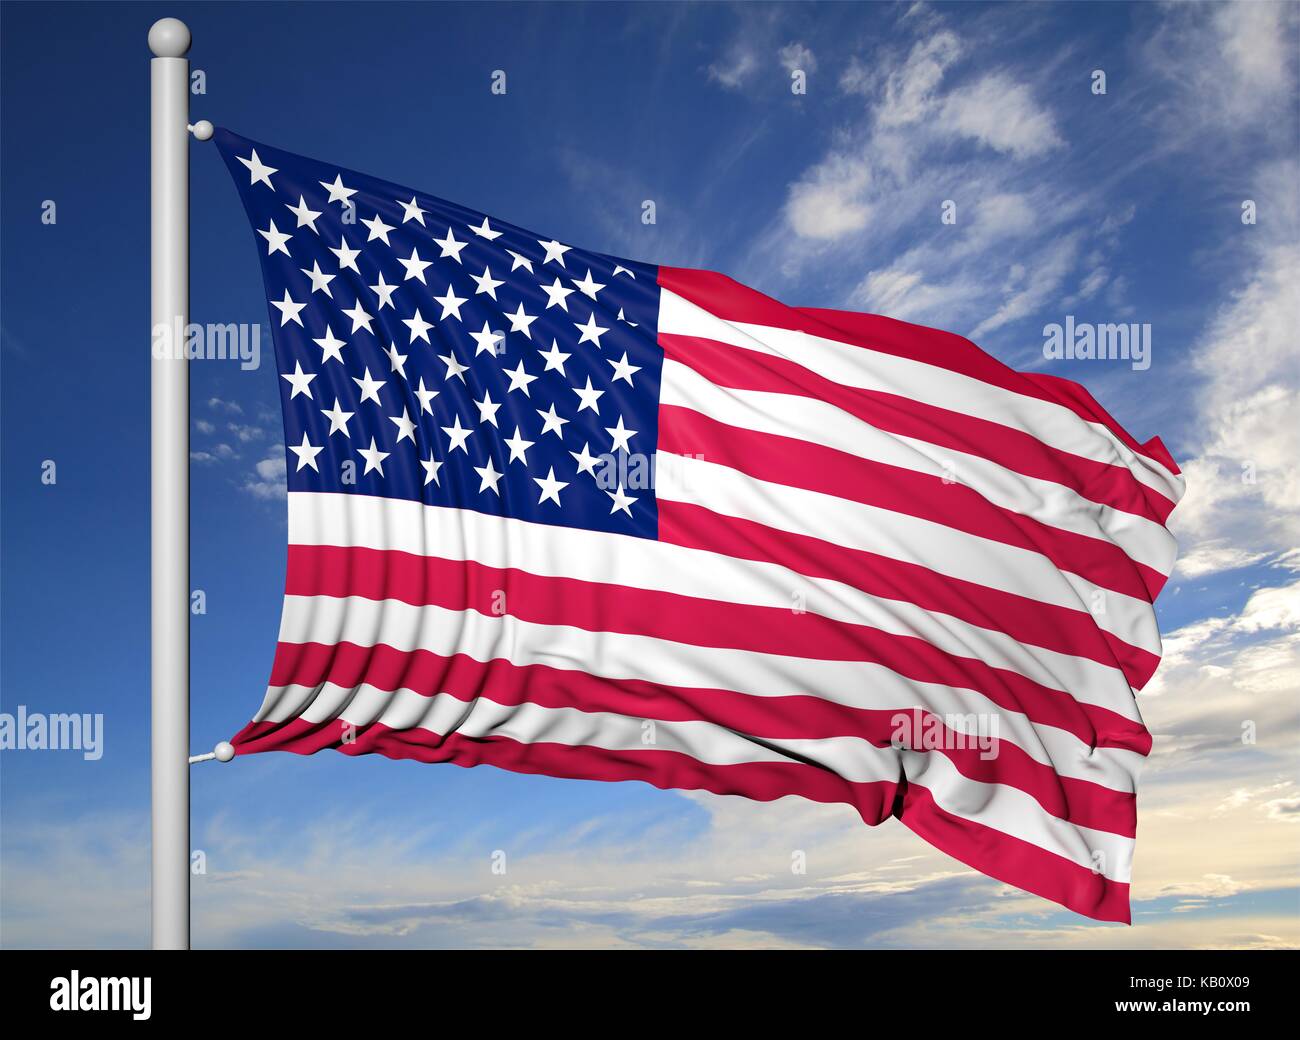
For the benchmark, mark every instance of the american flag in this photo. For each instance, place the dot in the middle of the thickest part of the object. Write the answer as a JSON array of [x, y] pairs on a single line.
[[570, 514]]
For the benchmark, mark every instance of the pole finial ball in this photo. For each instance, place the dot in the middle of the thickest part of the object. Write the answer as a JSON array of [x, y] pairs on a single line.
[[224, 752], [169, 38]]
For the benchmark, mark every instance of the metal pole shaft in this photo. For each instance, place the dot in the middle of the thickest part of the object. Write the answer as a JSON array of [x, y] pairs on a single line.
[[169, 40]]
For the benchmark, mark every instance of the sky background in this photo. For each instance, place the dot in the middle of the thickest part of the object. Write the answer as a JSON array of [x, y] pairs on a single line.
[[1125, 206]]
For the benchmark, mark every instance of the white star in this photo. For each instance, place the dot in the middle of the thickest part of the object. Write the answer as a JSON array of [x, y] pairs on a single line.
[[591, 332], [622, 501], [418, 326], [425, 396], [414, 266], [587, 462], [551, 422], [306, 453], [623, 370], [554, 251], [398, 361], [589, 396], [431, 467], [518, 448], [520, 261], [378, 230], [338, 193], [259, 171], [369, 388], [490, 477], [306, 217], [487, 340], [486, 283], [588, 287], [320, 281], [347, 256], [375, 458], [275, 239], [557, 295], [361, 318], [624, 320], [385, 292], [484, 231], [519, 379], [519, 321], [451, 247], [332, 348], [410, 211], [555, 359], [487, 409], [620, 269], [288, 310], [338, 419], [450, 303], [454, 367], [299, 380], [405, 427], [621, 435], [458, 435], [551, 487]]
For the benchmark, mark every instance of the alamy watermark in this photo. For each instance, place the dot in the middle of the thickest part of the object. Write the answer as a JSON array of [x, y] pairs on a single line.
[[1084, 341], [920, 730], [233, 341], [37, 731]]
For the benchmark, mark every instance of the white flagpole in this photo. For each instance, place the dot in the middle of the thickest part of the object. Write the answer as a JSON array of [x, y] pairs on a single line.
[[169, 265]]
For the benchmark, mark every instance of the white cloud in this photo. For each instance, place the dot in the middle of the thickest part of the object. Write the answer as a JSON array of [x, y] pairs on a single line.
[[1029, 288], [733, 70], [1002, 114], [1243, 486], [269, 482], [910, 90], [873, 201], [828, 202], [857, 78], [1232, 65], [795, 56], [1092, 284], [1210, 557], [901, 294]]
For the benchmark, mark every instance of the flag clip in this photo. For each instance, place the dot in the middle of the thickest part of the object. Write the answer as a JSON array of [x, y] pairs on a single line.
[[202, 130], [223, 752]]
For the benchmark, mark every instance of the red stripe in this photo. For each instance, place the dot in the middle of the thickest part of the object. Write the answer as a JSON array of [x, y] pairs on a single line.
[[1025, 620], [989, 851], [727, 365], [814, 467], [1019, 863], [422, 671], [376, 574], [800, 717], [732, 301], [762, 781]]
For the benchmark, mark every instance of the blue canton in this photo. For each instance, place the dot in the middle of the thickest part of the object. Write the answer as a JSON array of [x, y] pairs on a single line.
[[431, 353]]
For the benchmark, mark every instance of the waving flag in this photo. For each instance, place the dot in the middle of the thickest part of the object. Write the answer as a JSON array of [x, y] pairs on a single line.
[[570, 514]]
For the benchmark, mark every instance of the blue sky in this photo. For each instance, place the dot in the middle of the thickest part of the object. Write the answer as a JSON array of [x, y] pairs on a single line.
[[1117, 207]]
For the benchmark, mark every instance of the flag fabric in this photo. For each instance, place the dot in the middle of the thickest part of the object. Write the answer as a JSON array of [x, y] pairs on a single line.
[[570, 514]]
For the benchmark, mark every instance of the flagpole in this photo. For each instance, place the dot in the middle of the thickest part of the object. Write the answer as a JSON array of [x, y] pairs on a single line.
[[169, 39]]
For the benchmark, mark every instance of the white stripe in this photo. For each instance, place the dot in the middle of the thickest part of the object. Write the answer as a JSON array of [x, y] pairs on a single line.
[[908, 539], [804, 418], [1053, 424], [394, 524], [1004, 808], [620, 656]]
